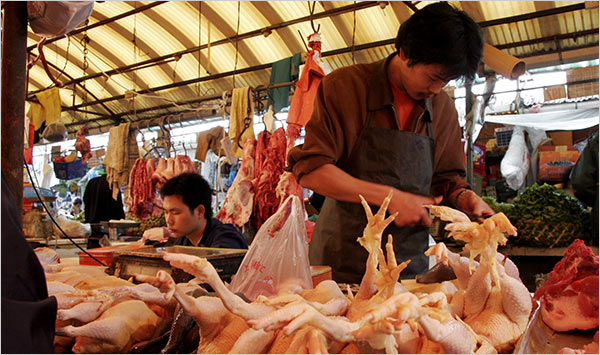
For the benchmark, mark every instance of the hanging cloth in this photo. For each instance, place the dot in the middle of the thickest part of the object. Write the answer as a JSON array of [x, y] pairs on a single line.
[[306, 88], [241, 119], [116, 158], [210, 139], [48, 109], [282, 71]]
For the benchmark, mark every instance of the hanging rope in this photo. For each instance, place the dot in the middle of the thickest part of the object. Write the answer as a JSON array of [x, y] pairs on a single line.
[[40, 48], [84, 42], [134, 41], [208, 51], [199, 44], [66, 57], [237, 31]]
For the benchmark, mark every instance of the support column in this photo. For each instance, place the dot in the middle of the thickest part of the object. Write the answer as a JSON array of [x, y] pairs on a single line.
[[469, 143], [14, 44]]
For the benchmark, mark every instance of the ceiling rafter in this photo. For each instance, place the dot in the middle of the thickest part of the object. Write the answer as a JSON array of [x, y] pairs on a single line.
[[139, 44], [73, 59], [168, 57], [339, 24], [548, 25], [287, 36], [57, 70], [176, 33], [341, 51], [103, 22], [533, 15], [220, 24], [401, 11]]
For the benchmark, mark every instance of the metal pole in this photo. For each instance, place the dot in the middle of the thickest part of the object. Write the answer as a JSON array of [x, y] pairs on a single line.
[[14, 43], [469, 143]]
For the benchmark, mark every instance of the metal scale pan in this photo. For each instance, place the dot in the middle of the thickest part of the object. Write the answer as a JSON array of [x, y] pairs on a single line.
[[148, 261]]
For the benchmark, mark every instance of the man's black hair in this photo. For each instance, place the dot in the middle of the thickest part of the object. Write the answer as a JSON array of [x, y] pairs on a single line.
[[193, 190], [442, 34]]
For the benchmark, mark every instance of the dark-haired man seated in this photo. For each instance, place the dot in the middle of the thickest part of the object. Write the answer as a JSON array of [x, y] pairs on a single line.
[[187, 204]]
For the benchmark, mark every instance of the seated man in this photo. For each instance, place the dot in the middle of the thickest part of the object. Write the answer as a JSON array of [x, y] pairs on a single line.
[[187, 203]]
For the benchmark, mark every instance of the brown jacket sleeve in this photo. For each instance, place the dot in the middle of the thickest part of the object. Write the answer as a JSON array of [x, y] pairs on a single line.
[[332, 130]]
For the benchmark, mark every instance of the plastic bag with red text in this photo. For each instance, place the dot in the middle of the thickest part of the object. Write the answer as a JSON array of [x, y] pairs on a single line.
[[277, 255]]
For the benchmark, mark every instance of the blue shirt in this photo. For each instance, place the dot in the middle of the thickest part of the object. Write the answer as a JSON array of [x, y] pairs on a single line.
[[217, 235]]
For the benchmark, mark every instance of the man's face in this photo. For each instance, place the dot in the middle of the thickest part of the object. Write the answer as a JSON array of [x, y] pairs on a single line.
[[180, 220], [422, 81]]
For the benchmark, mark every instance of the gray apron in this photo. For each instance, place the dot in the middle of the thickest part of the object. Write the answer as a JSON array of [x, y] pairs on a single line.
[[391, 157]]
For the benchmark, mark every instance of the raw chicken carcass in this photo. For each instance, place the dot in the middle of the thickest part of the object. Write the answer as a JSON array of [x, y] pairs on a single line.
[[116, 330], [493, 303], [239, 200], [219, 329], [382, 315], [569, 298]]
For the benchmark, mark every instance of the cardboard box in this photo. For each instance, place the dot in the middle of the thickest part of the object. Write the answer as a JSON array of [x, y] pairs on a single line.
[[554, 93], [561, 138], [582, 89], [554, 161]]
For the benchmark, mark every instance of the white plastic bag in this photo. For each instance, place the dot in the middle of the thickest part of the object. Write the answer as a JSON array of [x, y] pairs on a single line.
[[73, 229], [278, 254], [515, 164], [56, 18]]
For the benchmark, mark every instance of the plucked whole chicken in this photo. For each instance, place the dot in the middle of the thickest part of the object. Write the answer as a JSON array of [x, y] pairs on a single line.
[[485, 310]]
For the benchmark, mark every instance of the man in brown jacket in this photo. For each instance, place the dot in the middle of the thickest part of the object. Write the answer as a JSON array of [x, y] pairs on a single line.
[[388, 126]]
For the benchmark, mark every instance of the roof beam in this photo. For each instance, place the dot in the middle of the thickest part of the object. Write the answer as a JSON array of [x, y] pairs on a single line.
[[164, 58], [71, 58], [221, 25], [390, 41], [338, 23], [548, 25], [533, 15], [103, 22], [411, 6], [287, 36], [572, 35], [401, 11], [57, 70]]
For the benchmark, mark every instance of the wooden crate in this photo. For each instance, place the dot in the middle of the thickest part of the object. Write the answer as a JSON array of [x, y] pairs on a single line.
[[583, 89]]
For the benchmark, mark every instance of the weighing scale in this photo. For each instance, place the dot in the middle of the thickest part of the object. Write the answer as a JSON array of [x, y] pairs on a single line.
[[148, 261]]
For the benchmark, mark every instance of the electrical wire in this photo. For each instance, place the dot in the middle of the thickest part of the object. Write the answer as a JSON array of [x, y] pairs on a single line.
[[54, 221]]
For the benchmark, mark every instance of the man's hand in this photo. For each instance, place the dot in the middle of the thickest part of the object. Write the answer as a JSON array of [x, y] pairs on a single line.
[[410, 208], [159, 234], [470, 202]]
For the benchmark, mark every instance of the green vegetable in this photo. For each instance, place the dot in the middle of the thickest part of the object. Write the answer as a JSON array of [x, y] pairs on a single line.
[[546, 216], [497, 206]]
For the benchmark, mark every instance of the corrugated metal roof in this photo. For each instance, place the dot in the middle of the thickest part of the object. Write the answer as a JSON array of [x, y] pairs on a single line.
[[163, 54]]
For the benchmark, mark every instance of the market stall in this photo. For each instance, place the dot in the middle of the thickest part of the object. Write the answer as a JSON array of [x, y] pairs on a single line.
[[247, 102]]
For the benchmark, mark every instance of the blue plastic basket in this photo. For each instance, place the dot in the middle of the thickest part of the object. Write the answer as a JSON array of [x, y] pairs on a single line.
[[71, 170]]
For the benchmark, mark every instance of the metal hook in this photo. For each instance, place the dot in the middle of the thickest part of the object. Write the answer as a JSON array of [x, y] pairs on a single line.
[[312, 11]]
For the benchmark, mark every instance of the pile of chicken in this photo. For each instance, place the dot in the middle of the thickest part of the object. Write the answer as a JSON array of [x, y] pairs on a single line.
[[98, 313], [486, 313]]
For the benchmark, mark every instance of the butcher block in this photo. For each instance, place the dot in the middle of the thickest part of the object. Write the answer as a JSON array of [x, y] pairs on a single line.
[[148, 261]]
